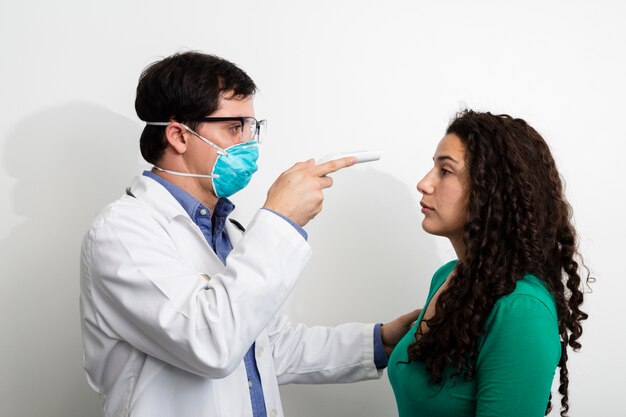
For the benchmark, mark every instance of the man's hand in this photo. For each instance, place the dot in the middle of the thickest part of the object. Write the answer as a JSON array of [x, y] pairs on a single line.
[[297, 193], [392, 332]]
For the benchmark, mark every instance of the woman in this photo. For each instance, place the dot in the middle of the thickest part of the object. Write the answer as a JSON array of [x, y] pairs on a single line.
[[498, 321]]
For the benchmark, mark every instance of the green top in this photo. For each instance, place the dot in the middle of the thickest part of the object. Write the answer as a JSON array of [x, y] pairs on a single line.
[[515, 361]]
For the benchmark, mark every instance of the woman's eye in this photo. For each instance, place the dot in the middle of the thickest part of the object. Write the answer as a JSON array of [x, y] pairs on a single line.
[[445, 171], [235, 128]]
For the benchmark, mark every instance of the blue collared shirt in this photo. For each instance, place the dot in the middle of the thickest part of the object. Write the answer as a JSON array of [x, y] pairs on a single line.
[[212, 227]]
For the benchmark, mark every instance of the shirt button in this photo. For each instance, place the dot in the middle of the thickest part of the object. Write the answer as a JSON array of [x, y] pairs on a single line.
[[203, 212], [273, 413], [249, 384]]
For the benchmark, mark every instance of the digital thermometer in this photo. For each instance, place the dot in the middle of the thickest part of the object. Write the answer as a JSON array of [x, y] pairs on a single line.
[[361, 156]]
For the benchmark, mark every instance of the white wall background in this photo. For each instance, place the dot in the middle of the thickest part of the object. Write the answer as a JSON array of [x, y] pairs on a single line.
[[334, 75]]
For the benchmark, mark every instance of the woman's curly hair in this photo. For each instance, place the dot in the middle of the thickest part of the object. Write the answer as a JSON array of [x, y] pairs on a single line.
[[519, 222]]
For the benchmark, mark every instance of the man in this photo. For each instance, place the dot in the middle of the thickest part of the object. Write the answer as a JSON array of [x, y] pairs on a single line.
[[179, 306]]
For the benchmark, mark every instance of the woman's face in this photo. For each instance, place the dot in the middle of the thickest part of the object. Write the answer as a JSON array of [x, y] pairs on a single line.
[[445, 192]]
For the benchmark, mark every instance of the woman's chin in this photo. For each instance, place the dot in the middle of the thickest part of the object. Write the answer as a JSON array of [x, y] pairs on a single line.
[[429, 228]]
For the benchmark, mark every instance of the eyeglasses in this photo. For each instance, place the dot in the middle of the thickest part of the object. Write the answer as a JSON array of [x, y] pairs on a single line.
[[249, 128]]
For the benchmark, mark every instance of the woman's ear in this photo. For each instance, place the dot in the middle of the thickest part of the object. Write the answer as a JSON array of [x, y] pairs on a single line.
[[175, 136]]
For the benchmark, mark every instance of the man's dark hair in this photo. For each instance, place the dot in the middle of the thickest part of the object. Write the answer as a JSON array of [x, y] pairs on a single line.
[[184, 87]]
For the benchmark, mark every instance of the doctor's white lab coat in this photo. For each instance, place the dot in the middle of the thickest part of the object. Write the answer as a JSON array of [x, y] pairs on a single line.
[[165, 324]]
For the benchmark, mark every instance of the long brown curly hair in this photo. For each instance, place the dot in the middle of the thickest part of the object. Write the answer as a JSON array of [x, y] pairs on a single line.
[[519, 222]]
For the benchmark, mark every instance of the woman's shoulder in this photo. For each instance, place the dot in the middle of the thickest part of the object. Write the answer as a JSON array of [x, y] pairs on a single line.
[[530, 293], [527, 315]]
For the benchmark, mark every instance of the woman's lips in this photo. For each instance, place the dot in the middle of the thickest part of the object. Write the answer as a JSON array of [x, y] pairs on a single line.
[[425, 208]]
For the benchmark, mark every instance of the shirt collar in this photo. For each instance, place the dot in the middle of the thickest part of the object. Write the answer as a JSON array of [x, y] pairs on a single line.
[[222, 209]]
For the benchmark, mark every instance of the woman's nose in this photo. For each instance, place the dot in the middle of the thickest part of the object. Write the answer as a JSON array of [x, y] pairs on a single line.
[[424, 186]]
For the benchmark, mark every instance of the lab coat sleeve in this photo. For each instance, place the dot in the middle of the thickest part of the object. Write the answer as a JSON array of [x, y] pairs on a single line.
[[317, 354], [145, 294]]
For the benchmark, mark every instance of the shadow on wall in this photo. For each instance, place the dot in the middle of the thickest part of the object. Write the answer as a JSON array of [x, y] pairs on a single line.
[[69, 161], [371, 262]]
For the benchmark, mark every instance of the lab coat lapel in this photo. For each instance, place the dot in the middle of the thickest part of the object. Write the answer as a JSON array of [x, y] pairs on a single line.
[[210, 262], [234, 234], [159, 199]]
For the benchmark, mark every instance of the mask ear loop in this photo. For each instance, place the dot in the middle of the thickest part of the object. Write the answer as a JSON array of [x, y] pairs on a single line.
[[187, 174], [219, 150]]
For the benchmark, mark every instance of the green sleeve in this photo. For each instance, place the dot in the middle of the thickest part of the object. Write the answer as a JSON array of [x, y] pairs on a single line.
[[517, 358]]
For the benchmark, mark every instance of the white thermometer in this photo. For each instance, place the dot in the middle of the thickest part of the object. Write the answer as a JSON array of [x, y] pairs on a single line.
[[361, 156]]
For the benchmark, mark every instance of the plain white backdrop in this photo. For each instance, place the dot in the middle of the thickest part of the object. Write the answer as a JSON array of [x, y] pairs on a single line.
[[333, 76]]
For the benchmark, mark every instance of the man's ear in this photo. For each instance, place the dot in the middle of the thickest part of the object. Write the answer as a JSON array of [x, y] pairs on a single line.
[[175, 136]]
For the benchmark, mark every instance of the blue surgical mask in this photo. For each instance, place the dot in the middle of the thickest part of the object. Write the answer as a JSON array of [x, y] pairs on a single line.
[[233, 170], [233, 167]]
